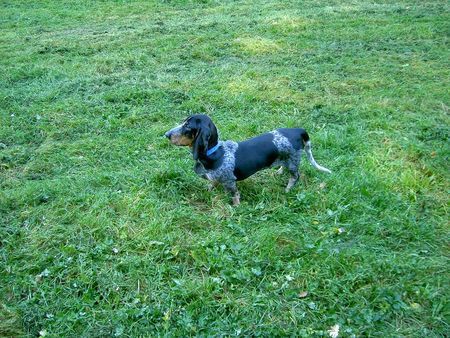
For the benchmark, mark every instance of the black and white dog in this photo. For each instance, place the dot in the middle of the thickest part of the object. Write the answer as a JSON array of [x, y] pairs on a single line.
[[226, 162]]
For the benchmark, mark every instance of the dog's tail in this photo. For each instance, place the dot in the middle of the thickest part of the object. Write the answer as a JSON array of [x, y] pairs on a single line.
[[307, 148]]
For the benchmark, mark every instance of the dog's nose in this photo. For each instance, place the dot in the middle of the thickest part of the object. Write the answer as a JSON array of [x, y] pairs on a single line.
[[167, 134]]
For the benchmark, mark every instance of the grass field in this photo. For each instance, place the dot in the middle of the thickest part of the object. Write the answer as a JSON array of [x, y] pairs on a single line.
[[105, 230]]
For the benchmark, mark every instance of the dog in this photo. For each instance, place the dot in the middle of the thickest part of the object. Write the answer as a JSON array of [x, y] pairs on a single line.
[[226, 162]]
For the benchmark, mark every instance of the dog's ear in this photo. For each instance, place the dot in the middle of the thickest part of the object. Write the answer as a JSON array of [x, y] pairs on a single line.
[[214, 136], [201, 142]]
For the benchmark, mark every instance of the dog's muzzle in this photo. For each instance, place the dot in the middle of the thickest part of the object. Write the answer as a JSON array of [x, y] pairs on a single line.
[[172, 132]]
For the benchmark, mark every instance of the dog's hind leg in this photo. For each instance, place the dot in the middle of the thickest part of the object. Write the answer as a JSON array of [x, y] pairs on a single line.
[[292, 165], [293, 179]]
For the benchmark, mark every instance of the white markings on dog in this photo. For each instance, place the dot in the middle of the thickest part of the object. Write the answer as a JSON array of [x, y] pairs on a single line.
[[312, 160]]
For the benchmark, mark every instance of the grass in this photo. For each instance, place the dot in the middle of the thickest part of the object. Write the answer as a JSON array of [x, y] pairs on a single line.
[[106, 231]]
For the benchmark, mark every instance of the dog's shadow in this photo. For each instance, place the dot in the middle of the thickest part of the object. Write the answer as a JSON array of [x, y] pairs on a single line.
[[193, 190]]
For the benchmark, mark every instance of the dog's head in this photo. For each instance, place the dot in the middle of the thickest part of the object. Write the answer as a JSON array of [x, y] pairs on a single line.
[[198, 132]]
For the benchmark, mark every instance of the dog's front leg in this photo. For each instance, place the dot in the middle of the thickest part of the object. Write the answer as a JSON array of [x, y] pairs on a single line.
[[280, 171], [231, 187]]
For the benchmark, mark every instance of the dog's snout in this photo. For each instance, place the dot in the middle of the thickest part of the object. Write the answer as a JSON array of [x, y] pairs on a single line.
[[167, 134]]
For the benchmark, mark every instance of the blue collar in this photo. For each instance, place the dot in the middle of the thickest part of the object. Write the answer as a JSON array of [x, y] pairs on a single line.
[[211, 151]]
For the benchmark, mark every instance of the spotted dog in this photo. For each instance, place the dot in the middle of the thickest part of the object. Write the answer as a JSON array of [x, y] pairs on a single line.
[[227, 162]]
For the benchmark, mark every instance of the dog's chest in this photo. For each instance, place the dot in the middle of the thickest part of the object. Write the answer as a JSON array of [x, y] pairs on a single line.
[[210, 175], [225, 171]]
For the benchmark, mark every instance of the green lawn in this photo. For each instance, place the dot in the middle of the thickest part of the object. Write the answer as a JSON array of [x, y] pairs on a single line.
[[105, 230]]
